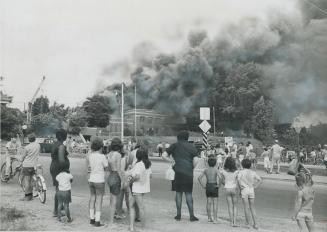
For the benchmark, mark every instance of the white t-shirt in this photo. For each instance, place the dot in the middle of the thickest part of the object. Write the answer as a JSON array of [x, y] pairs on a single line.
[[230, 178], [247, 178], [63, 179], [97, 162], [142, 185]]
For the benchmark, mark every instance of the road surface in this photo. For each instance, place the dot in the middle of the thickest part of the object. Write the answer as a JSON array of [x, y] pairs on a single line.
[[273, 198]]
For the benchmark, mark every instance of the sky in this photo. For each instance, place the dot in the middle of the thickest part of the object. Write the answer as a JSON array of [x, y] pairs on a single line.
[[72, 41]]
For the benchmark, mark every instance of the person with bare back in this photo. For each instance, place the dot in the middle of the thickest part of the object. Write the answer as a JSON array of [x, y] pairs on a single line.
[[115, 175]]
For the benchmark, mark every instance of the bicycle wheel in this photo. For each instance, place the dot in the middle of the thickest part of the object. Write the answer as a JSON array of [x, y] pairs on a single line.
[[41, 191], [16, 166], [3, 173]]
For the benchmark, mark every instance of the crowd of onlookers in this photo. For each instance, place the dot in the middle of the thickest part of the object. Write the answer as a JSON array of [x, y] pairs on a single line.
[[126, 170]]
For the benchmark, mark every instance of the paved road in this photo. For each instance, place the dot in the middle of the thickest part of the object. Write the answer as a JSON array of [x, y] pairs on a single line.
[[273, 198]]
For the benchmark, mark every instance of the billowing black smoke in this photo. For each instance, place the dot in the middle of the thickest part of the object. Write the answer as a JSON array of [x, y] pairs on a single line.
[[290, 49]]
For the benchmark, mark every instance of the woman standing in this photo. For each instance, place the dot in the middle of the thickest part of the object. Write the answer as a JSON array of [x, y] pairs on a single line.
[[97, 166], [140, 179], [59, 163]]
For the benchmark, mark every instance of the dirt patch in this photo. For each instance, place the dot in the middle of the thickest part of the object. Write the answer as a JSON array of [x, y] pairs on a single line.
[[12, 219]]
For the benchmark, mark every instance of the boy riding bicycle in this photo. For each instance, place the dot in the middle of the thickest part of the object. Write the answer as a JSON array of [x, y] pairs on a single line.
[[30, 159], [11, 152]]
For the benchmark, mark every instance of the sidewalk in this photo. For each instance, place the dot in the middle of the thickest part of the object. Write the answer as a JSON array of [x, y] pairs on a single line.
[[280, 177]]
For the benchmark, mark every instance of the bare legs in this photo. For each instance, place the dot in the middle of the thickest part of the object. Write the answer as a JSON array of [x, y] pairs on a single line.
[[249, 208], [232, 208], [302, 224], [112, 207], [136, 201], [212, 209]]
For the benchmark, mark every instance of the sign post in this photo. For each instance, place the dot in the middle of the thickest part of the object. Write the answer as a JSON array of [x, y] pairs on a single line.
[[205, 125]]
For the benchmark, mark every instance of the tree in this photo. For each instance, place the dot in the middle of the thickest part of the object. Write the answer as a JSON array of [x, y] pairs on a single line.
[[59, 111], [76, 120], [234, 93], [40, 106], [262, 120], [45, 124], [11, 121], [97, 109]]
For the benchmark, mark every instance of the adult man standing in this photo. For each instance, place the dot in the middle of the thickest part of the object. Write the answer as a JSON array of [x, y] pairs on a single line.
[[160, 148], [11, 152], [183, 154], [30, 159], [276, 152]]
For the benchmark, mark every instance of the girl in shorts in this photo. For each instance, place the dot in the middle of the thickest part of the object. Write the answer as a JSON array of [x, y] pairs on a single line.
[[229, 179], [213, 179], [303, 205], [97, 166], [140, 184]]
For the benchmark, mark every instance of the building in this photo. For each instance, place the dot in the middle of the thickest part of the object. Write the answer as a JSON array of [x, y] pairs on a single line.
[[148, 122], [5, 99]]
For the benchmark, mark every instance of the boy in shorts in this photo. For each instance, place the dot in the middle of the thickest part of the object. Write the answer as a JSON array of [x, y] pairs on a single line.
[[213, 179], [64, 196], [248, 180]]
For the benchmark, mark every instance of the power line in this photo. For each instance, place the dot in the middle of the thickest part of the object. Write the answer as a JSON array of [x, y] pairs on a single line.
[[317, 7]]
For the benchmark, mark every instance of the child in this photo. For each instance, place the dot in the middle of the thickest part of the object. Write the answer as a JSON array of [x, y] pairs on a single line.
[[64, 196], [229, 179], [253, 159], [140, 185], [248, 180], [303, 205], [266, 162], [212, 175]]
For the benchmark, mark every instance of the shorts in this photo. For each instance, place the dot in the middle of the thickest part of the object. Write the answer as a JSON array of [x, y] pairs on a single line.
[[266, 162], [183, 182], [64, 196], [212, 190], [114, 183], [247, 193], [231, 191], [307, 217], [96, 188], [28, 171], [241, 157], [275, 159]]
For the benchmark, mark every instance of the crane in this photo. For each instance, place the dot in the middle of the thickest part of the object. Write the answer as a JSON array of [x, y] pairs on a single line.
[[30, 104]]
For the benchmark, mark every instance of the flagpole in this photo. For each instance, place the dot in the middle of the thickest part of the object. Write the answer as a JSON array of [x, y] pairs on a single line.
[[135, 112], [122, 112], [214, 121]]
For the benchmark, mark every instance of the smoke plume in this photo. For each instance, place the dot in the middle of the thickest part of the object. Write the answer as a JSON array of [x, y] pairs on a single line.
[[291, 49]]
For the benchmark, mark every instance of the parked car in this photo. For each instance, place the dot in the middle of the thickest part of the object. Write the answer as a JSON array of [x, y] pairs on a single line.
[[46, 144]]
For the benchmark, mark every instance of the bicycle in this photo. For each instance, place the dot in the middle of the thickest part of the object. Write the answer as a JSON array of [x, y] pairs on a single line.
[[38, 184], [15, 168]]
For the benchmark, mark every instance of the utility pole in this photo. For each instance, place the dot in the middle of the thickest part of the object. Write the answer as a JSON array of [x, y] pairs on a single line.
[[122, 113], [214, 120], [135, 126]]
